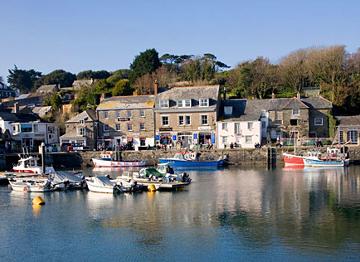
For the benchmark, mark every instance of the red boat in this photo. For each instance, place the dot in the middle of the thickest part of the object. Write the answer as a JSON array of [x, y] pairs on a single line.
[[293, 160]]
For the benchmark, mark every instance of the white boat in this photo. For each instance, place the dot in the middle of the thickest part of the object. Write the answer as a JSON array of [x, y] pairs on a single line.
[[106, 160], [67, 180], [31, 185], [333, 157], [28, 165]]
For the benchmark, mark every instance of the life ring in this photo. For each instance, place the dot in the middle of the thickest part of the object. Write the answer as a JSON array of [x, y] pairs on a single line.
[[26, 189]]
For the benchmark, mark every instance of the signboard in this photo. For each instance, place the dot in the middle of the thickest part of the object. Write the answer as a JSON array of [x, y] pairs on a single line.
[[204, 128], [174, 137], [213, 138], [195, 136], [157, 137], [165, 129]]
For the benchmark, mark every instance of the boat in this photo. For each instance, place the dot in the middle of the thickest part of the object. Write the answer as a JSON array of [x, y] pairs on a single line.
[[106, 160], [31, 185], [161, 178], [192, 159], [291, 160], [28, 164], [334, 157], [103, 184], [68, 180]]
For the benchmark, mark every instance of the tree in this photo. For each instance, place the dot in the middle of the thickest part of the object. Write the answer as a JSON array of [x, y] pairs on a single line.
[[118, 75], [89, 74], [24, 80], [122, 88], [60, 77], [54, 101], [145, 63]]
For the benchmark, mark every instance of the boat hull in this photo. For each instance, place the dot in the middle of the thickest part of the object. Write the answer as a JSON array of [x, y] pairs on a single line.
[[100, 189], [107, 163], [191, 163], [326, 163], [293, 160]]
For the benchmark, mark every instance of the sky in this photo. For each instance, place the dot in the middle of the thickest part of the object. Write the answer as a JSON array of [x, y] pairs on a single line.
[[77, 35]]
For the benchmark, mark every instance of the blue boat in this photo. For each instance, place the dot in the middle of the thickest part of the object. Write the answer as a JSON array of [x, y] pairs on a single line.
[[191, 159]]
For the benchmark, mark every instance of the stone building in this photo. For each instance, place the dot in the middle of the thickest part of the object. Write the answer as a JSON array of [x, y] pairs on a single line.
[[187, 115], [348, 130], [81, 131], [126, 119]]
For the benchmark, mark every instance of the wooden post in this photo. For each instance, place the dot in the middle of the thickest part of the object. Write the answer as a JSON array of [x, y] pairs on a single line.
[[42, 152]]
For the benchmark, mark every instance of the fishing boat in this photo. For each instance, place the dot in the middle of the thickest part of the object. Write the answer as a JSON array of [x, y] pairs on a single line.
[[106, 160], [334, 157], [28, 164], [192, 159], [291, 160], [31, 185]]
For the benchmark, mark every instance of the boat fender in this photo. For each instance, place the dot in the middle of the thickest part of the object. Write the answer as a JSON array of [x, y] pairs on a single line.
[[38, 201], [151, 188]]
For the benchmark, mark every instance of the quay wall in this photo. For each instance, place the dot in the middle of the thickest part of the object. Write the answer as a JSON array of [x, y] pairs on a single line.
[[239, 157]]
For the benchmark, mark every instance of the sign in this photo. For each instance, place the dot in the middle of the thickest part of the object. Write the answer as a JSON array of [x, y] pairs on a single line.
[[204, 128], [165, 129], [157, 137], [195, 136], [213, 138], [174, 137]]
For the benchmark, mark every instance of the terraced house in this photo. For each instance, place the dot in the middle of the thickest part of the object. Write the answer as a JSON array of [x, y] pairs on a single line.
[[187, 115], [126, 119]]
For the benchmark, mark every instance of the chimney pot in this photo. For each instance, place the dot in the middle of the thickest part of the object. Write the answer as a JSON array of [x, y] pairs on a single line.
[[16, 108], [156, 87], [272, 95]]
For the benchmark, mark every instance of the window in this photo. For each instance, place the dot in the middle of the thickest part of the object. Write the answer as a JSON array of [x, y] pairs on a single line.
[[179, 103], [105, 128], [318, 121], [203, 102], [204, 120], [250, 125], [187, 120], [228, 110], [224, 126], [142, 113], [181, 120], [352, 136], [129, 127], [128, 114], [117, 113], [248, 139], [142, 142], [341, 137], [278, 117], [224, 140], [142, 126], [36, 129], [294, 122], [164, 103], [81, 122], [296, 112], [106, 114], [117, 127], [81, 131], [187, 102], [237, 129], [165, 120]]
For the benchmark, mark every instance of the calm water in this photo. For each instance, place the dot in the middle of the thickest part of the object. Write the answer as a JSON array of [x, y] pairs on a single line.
[[224, 215]]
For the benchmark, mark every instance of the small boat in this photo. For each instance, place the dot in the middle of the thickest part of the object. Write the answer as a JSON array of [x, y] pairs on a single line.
[[67, 180], [31, 185], [333, 157], [29, 165], [103, 184], [106, 160], [293, 160], [192, 159]]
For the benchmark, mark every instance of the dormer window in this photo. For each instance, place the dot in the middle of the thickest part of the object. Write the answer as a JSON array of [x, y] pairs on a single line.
[[164, 103], [204, 102], [184, 103], [228, 110]]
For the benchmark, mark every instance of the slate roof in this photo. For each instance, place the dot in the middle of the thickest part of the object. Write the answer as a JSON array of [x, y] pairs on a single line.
[[348, 120], [317, 102], [87, 115], [41, 110], [19, 117], [127, 102], [48, 89], [242, 110]]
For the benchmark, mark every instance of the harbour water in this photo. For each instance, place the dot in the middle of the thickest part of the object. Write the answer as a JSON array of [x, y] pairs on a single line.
[[224, 215]]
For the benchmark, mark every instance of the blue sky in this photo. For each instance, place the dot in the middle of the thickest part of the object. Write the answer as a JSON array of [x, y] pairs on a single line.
[[77, 35]]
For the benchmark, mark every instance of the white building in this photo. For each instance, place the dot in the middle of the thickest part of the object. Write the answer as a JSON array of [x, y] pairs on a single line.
[[242, 123]]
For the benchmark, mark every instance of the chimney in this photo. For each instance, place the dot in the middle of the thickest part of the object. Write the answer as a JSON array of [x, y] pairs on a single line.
[[298, 95], [272, 95], [16, 108], [156, 87], [102, 97], [224, 93]]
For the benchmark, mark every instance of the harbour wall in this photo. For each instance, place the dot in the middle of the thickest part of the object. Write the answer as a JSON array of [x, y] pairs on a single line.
[[264, 156]]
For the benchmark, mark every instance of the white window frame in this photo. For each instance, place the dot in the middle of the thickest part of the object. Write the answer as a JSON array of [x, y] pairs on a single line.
[[81, 131], [224, 126], [187, 101], [296, 112], [204, 102], [185, 120], [250, 125], [237, 128], [201, 120], [318, 124], [182, 121], [142, 113], [162, 120], [129, 125], [224, 140], [164, 103], [142, 126], [246, 140], [180, 103], [116, 127]]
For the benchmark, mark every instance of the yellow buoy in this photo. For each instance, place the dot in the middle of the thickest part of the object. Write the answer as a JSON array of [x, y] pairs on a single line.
[[151, 188], [38, 201]]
